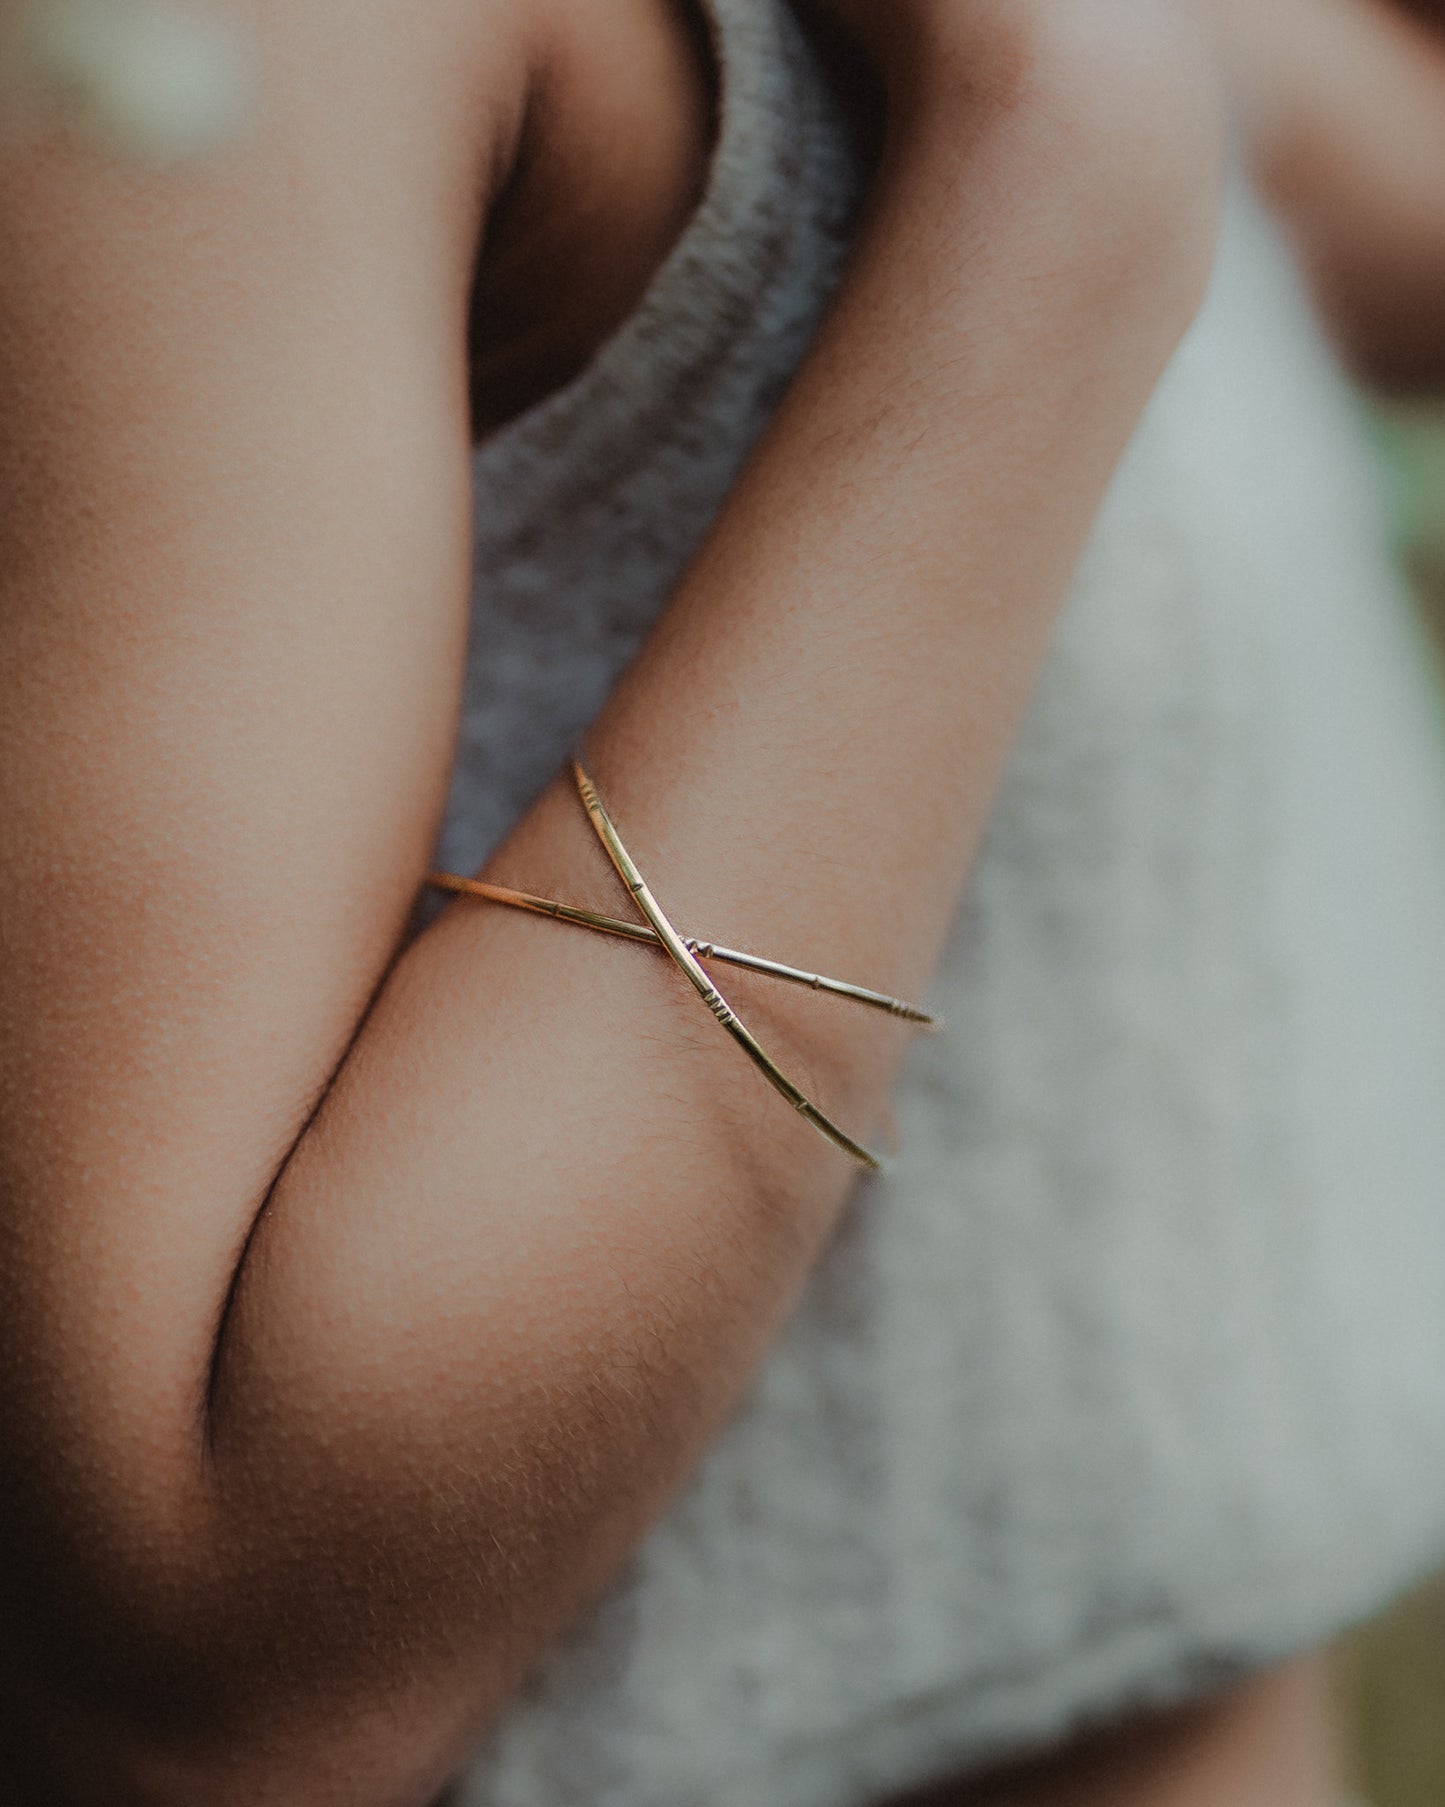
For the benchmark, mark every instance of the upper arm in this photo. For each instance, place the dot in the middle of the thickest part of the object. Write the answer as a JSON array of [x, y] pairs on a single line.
[[1343, 105], [233, 554]]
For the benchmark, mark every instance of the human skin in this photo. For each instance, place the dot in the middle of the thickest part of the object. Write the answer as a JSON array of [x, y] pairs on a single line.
[[363, 1301], [1342, 108]]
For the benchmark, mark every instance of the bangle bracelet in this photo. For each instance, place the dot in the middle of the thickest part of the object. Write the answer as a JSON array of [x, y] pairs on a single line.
[[686, 952], [686, 962], [704, 950]]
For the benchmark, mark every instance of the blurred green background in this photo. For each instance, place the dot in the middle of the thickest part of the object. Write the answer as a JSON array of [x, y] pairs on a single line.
[[1392, 1673], [1392, 1677]]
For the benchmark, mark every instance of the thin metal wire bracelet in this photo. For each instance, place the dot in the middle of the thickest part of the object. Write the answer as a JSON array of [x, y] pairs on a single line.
[[704, 950], [686, 961]]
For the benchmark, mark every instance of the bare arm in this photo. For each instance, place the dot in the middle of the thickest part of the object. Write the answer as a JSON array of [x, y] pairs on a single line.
[[490, 1299], [1343, 103]]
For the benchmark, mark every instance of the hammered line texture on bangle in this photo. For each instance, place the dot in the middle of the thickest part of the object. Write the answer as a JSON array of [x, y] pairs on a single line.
[[704, 950], [684, 959]]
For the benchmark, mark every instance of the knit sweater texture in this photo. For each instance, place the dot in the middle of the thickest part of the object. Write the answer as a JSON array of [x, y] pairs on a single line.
[[1129, 1376]]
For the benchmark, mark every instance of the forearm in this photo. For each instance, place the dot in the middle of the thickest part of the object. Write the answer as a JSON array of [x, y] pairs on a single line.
[[1343, 108], [546, 1218]]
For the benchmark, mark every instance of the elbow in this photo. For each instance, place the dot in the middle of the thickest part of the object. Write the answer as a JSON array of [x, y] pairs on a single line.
[[214, 1735], [351, 1761]]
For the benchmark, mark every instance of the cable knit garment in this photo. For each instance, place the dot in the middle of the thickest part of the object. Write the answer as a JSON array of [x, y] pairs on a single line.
[[1130, 1375]]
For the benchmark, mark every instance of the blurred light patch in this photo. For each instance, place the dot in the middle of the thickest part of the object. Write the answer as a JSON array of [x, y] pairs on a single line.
[[144, 78]]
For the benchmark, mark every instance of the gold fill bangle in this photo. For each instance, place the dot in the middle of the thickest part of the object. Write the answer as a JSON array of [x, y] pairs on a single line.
[[686, 952], [704, 950]]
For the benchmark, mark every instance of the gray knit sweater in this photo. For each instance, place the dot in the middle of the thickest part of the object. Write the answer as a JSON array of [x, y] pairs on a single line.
[[1131, 1374]]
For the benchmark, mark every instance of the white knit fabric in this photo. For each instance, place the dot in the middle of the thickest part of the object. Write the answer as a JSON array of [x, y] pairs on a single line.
[[1131, 1375]]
